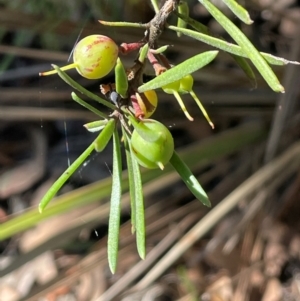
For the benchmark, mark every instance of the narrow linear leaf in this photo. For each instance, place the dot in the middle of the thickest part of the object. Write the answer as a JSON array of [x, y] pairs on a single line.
[[218, 146], [131, 180], [252, 53], [229, 47], [105, 135], [189, 179], [71, 82], [243, 64], [187, 67], [275, 60], [96, 126], [143, 53], [239, 11], [139, 207], [193, 23], [160, 49], [121, 79], [155, 5], [115, 205], [122, 24], [183, 8], [88, 106], [64, 177]]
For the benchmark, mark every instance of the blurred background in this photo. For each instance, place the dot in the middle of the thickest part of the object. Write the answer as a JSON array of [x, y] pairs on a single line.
[[249, 164]]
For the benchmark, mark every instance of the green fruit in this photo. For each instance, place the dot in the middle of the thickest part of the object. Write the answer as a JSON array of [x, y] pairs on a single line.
[[94, 57], [170, 88], [153, 154], [147, 102], [186, 84]]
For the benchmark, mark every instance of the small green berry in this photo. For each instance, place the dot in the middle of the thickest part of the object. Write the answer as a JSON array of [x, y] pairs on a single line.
[[153, 154], [170, 88], [186, 84], [94, 57]]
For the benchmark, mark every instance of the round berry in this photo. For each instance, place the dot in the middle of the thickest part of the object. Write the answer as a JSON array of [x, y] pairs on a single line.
[[147, 102], [153, 154], [95, 56]]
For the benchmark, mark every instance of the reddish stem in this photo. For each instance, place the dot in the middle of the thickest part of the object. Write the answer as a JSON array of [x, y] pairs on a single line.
[[158, 68], [137, 109], [127, 48]]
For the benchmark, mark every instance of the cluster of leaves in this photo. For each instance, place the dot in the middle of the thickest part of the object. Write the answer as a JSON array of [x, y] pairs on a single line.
[[131, 105]]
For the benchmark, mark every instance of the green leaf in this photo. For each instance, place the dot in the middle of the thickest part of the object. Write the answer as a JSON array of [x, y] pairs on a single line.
[[239, 11], [87, 106], [155, 5], [256, 58], [243, 64], [115, 205], [183, 8], [176, 73], [193, 23], [189, 179], [64, 177], [71, 82], [105, 135], [143, 53], [122, 24], [238, 58], [130, 179], [96, 126], [203, 36], [208, 150], [121, 79], [138, 206]]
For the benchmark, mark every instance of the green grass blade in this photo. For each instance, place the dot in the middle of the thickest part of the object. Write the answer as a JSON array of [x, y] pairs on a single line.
[[239, 11], [115, 205], [105, 135], [176, 73], [189, 179], [71, 82], [252, 53]]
